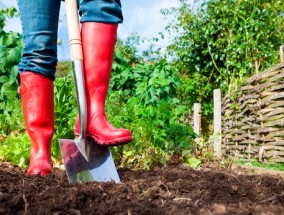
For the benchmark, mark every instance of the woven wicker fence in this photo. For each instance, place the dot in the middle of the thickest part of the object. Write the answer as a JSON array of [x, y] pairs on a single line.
[[253, 118]]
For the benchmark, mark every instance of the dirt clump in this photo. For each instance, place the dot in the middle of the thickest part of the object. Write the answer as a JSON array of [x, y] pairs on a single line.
[[172, 189]]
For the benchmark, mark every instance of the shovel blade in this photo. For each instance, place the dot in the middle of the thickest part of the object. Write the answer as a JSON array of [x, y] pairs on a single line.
[[99, 166]]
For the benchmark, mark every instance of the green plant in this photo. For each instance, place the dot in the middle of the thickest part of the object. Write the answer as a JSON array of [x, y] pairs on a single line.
[[190, 159], [155, 82], [65, 111], [127, 49], [143, 97], [63, 69], [254, 162], [222, 41], [150, 82], [158, 130], [10, 53], [16, 149]]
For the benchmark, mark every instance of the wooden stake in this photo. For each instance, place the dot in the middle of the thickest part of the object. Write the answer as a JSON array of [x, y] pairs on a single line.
[[197, 118], [217, 123], [281, 54]]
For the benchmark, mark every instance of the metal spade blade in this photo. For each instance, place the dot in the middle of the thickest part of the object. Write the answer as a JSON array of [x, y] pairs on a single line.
[[99, 167]]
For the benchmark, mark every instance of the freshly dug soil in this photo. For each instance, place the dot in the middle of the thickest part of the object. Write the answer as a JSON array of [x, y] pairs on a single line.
[[172, 189]]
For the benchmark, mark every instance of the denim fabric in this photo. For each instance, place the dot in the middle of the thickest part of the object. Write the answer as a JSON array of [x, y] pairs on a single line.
[[39, 24], [106, 11], [40, 27]]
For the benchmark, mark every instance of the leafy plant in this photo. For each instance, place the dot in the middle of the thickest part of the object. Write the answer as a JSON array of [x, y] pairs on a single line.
[[158, 129], [63, 69], [16, 149], [221, 41], [254, 162], [150, 82], [143, 97], [65, 111], [190, 159], [10, 53], [155, 82]]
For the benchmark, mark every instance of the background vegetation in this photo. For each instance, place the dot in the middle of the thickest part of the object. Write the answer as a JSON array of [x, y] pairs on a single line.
[[215, 44], [219, 43]]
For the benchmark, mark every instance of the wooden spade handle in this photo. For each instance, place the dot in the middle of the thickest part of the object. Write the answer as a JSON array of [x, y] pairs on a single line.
[[74, 30]]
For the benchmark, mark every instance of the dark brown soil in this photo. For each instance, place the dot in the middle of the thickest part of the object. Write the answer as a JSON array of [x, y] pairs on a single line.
[[173, 189]]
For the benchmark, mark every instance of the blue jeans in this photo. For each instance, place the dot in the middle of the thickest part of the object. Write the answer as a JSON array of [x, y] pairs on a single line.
[[40, 27]]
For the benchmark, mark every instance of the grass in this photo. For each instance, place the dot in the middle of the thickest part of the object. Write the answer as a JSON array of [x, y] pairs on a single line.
[[272, 166]]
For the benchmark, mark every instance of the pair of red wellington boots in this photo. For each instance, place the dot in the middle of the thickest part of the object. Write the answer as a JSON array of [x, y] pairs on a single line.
[[37, 94]]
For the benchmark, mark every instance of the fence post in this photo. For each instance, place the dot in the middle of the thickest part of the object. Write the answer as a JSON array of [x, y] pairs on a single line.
[[281, 54], [197, 120], [217, 123]]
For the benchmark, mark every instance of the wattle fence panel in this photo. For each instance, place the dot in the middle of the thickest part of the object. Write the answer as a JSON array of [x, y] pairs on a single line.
[[253, 118]]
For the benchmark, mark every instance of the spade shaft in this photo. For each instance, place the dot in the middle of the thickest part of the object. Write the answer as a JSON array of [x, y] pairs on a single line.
[[77, 63]]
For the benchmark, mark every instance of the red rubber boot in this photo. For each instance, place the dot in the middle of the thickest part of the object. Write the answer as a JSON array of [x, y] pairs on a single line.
[[98, 41], [38, 108]]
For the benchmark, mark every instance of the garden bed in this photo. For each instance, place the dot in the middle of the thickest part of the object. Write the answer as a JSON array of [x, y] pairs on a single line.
[[172, 189]]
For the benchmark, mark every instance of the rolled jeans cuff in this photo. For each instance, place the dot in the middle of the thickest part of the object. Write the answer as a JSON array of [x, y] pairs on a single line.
[[104, 11]]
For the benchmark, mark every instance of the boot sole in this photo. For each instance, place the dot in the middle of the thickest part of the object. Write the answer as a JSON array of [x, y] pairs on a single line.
[[114, 142]]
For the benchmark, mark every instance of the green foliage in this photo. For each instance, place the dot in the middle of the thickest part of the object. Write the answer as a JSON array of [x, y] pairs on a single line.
[[158, 130], [16, 149], [63, 69], [11, 119], [65, 111], [127, 49], [10, 53], [143, 98], [150, 82], [223, 41], [190, 159], [155, 82], [254, 162], [6, 13]]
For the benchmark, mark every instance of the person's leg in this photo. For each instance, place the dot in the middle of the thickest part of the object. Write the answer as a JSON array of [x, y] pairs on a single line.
[[37, 70], [40, 26], [100, 20]]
